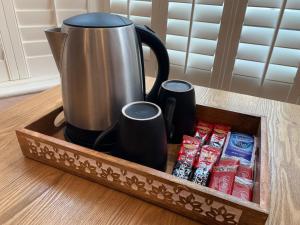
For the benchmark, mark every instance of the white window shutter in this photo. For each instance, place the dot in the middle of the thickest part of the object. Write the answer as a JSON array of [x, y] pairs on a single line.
[[8, 64], [4, 74], [34, 16], [268, 55], [15, 43], [231, 25], [192, 34], [246, 46], [140, 12], [68, 8]]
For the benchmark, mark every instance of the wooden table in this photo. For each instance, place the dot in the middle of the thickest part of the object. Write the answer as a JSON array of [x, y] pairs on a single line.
[[33, 193]]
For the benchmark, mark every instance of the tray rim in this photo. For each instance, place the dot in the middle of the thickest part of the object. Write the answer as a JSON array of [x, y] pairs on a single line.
[[141, 168], [233, 110], [260, 208]]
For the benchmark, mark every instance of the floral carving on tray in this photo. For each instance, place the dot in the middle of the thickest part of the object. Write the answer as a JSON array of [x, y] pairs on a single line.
[[221, 214], [190, 200], [161, 192], [165, 193], [110, 175], [134, 183]]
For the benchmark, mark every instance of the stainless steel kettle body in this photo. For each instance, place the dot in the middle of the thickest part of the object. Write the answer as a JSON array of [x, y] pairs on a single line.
[[100, 72], [101, 69]]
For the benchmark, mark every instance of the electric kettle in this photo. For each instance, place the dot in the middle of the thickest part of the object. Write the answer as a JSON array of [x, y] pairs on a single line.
[[99, 57]]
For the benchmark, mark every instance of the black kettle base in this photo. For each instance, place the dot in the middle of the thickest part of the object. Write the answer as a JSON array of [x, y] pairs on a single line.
[[87, 138]]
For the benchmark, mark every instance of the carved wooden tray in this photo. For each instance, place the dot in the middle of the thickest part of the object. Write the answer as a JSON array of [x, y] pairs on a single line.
[[44, 142]]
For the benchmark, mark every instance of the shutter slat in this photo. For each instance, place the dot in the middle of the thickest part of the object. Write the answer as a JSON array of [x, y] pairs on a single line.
[[42, 65], [141, 20], [288, 39], [293, 4], [204, 62], [208, 13], [245, 85], [286, 57], [181, 1], [37, 48], [265, 3], [210, 2], [45, 17], [140, 8], [261, 17], [181, 11], [205, 30], [248, 68], [281, 73], [178, 27], [275, 90], [118, 6], [178, 43], [71, 4], [203, 46], [177, 57], [33, 4], [291, 20], [257, 35], [252, 52]]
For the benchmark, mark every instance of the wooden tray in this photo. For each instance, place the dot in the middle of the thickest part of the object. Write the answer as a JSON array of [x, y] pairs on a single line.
[[44, 142]]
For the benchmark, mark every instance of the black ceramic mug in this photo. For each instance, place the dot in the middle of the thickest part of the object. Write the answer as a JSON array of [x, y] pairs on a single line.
[[142, 134], [177, 101], [138, 136]]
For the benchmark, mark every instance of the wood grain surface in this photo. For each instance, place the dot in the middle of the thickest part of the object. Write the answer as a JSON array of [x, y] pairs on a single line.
[[33, 193]]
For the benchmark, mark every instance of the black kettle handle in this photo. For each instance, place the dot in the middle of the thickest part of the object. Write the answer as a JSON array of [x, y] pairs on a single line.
[[147, 36]]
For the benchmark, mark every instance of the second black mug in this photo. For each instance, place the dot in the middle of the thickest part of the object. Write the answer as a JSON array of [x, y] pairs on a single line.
[[177, 101]]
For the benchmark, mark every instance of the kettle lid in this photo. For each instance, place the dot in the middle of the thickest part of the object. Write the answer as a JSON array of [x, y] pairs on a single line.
[[97, 20]]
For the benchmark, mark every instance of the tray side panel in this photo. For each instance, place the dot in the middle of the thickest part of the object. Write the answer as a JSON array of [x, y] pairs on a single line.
[[45, 124], [175, 196], [238, 121], [265, 172]]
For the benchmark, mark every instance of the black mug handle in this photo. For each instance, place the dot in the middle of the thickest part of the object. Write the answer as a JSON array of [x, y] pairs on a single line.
[[109, 134], [148, 37], [169, 114]]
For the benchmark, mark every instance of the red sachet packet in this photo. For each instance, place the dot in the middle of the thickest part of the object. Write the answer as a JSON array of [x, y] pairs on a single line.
[[243, 188], [245, 171], [228, 162], [186, 157], [222, 178], [209, 153], [202, 172], [188, 145], [219, 135], [203, 131]]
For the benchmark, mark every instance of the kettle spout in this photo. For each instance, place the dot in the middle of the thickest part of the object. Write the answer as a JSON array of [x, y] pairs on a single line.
[[56, 40]]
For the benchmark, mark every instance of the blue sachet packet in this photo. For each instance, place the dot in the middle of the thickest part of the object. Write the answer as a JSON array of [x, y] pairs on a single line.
[[240, 146]]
